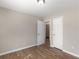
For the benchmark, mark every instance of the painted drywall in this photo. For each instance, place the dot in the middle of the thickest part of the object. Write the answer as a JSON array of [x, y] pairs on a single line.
[[17, 30], [71, 31]]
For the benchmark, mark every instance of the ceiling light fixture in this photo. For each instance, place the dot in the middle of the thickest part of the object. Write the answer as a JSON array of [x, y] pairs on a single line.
[[41, 1]]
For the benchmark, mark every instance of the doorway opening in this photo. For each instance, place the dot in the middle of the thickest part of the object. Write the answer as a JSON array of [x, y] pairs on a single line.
[[43, 31], [47, 41], [50, 32]]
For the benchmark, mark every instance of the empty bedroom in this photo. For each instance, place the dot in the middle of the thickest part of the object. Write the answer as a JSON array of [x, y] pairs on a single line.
[[39, 29]]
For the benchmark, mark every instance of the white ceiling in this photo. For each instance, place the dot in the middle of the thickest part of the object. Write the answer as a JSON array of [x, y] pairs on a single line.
[[33, 8]]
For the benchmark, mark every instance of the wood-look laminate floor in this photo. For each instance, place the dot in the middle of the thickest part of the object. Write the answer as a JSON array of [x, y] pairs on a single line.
[[40, 52]]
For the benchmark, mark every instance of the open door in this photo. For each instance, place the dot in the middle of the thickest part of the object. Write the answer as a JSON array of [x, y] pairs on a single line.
[[58, 32], [41, 31]]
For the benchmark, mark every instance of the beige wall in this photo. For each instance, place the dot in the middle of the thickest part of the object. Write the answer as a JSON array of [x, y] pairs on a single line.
[[71, 32], [16, 30]]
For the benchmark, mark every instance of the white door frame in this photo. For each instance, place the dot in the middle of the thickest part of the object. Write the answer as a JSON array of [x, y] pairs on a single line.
[[58, 43], [41, 32]]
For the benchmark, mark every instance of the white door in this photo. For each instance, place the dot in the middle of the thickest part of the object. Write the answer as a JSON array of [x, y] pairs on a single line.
[[58, 32], [41, 31]]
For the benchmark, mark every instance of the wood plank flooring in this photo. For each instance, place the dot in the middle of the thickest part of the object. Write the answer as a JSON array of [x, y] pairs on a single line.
[[40, 52]]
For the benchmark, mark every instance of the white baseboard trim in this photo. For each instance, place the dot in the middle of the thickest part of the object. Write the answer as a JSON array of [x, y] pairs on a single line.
[[4, 53], [51, 45], [73, 54]]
